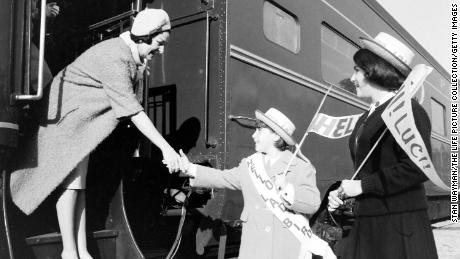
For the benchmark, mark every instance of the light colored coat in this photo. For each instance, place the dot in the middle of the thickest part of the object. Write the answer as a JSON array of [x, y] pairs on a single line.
[[264, 236], [81, 108]]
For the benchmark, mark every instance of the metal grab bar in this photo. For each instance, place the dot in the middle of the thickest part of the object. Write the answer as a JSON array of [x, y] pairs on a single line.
[[206, 85], [41, 56], [27, 42]]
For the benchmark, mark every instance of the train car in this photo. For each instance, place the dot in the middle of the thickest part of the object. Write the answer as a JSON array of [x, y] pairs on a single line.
[[224, 58]]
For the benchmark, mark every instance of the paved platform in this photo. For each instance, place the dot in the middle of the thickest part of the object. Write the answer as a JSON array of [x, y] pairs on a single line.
[[447, 238]]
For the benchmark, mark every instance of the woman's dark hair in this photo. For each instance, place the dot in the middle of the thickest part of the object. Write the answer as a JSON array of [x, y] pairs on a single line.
[[378, 70], [146, 38]]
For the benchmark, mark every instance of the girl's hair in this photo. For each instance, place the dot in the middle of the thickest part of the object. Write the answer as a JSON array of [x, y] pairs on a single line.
[[378, 71], [280, 143]]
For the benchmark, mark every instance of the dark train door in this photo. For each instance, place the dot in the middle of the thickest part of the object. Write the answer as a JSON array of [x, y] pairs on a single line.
[[8, 121], [183, 71], [21, 64]]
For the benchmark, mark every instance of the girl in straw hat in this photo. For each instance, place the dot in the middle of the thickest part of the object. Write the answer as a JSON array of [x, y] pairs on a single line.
[[264, 235], [391, 213], [83, 105]]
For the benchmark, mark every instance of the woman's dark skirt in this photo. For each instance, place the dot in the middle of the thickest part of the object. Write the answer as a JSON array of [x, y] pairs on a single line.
[[405, 235]]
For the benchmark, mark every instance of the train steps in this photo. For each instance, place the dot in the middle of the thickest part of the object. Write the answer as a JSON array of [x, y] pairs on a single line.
[[103, 246], [212, 251], [49, 246]]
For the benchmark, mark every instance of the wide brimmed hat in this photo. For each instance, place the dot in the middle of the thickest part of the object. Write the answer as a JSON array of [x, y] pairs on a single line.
[[279, 123], [390, 49], [149, 21]]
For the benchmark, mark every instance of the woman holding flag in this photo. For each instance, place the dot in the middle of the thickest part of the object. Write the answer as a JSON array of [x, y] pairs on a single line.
[[391, 208], [274, 198]]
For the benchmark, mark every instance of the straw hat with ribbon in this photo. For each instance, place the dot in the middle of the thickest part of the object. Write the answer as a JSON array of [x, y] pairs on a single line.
[[391, 50], [276, 121], [279, 123]]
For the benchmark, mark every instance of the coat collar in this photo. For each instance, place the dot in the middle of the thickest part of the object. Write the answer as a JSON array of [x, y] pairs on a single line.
[[381, 101], [374, 120], [279, 166], [133, 47]]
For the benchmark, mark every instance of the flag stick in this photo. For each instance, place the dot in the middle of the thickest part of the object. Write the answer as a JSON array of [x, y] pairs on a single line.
[[298, 146], [369, 154]]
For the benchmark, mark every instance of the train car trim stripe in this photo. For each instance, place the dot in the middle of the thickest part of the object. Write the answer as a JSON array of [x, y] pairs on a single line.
[[260, 62], [346, 18], [250, 58], [9, 125], [440, 138]]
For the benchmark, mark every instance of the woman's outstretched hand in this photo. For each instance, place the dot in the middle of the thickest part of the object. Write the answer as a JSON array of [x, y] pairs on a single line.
[[184, 164], [171, 159]]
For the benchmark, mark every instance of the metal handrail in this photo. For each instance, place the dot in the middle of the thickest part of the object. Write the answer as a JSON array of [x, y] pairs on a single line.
[[115, 18], [27, 42], [206, 85], [41, 57]]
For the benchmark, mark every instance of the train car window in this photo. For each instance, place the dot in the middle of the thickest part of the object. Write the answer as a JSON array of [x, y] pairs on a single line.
[[438, 115], [281, 27], [337, 58]]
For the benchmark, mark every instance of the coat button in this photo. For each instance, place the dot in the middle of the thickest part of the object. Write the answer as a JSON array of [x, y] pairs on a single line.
[[268, 229]]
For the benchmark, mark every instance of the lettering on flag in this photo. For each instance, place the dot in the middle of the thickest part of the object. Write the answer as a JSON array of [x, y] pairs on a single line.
[[334, 127], [399, 119]]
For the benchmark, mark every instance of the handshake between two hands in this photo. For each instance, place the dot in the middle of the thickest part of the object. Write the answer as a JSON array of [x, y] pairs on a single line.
[[177, 163], [180, 163]]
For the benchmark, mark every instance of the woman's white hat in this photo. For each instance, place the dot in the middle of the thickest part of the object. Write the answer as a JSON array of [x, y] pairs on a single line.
[[149, 21], [391, 50], [279, 123]]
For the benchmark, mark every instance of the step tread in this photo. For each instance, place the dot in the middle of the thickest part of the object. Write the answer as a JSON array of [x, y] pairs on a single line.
[[55, 237]]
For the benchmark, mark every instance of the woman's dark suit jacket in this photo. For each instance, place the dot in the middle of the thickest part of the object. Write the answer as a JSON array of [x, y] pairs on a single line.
[[391, 182]]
